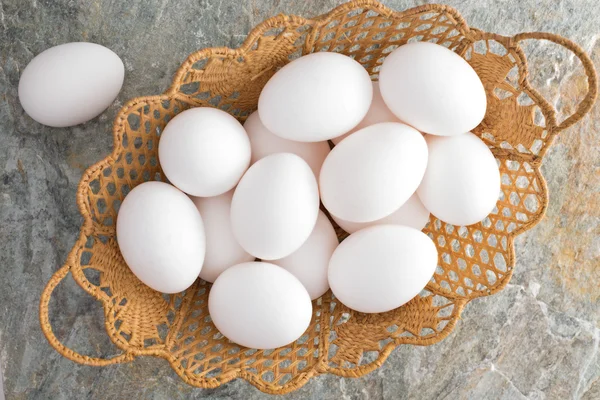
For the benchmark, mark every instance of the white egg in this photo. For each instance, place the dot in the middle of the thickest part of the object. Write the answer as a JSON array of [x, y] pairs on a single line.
[[161, 236], [264, 143], [222, 250], [378, 112], [259, 305], [310, 262], [462, 182], [204, 151], [371, 173], [275, 206], [380, 268], [316, 97], [432, 89], [412, 213], [70, 84]]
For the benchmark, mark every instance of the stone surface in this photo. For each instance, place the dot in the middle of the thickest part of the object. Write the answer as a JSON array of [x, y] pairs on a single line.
[[537, 339]]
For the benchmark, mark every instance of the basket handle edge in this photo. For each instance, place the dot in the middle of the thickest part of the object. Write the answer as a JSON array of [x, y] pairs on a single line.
[[592, 79], [66, 352]]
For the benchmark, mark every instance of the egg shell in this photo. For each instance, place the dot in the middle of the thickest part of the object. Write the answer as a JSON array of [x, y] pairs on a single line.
[[380, 268], [372, 172], [378, 112], [222, 249], [461, 185], [412, 213], [161, 236], [70, 84], [264, 143], [204, 151], [310, 262], [432, 89], [259, 305], [275, 206], [316, 97]]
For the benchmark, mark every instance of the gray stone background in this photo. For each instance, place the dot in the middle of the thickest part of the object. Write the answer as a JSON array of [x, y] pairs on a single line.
[[538, 339]]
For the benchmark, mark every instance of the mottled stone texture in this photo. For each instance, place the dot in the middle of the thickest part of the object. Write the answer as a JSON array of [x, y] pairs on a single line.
[[537, 339]]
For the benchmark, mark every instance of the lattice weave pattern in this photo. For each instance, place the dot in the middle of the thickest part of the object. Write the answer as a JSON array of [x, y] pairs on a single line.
[[474, 261]]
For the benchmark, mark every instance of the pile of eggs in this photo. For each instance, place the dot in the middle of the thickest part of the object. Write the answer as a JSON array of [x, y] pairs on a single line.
[[243, 207]]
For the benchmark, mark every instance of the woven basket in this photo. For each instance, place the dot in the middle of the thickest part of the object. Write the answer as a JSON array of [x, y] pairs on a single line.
[[474, 261]]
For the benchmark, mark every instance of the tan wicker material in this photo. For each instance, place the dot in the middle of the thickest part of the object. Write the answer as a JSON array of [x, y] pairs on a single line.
[[474, 261]]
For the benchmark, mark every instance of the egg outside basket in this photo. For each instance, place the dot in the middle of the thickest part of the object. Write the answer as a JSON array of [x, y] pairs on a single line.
[[474, 261]]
